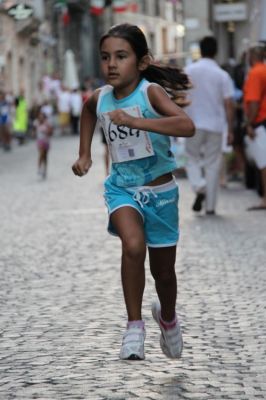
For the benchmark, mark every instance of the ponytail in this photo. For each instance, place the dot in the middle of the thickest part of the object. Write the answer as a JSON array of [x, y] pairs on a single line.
[[171, 78]]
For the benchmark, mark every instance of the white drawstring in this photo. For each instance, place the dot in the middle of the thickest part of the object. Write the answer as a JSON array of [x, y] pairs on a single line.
[[142, 195]]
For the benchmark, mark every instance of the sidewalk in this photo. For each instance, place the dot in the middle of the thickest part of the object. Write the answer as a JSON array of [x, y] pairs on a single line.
[[62, 314]]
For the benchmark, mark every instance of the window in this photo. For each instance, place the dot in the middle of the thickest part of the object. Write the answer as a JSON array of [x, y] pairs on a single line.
[[157, 8], [1, 26], [164, 40], [9, 69], [152, 42], [144, 8]]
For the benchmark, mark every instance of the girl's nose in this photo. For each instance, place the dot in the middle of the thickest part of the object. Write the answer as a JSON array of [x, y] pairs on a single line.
[[112, 62]]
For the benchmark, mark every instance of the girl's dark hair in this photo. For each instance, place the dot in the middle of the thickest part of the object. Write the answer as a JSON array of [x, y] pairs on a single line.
[[171, 78]]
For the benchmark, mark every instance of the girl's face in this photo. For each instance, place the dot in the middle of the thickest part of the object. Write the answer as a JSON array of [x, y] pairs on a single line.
[[41, 117], [119, 65]]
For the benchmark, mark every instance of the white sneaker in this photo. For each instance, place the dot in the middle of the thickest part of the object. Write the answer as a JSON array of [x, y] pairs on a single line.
[[171, 339], [133, 344]]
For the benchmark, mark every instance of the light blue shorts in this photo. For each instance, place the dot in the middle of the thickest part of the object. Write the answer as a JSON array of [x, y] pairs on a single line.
[[158, 206]]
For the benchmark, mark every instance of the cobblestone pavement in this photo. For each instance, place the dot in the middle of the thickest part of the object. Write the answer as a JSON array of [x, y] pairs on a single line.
[[61, 307]]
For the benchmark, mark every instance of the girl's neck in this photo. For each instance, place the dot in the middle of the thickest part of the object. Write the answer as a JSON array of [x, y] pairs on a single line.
[[122, 92]]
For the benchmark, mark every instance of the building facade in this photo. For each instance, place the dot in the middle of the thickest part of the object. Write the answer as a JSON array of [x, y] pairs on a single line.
[[35, 34], [25, 47], [160, 20], [237, 24], [162, 24]]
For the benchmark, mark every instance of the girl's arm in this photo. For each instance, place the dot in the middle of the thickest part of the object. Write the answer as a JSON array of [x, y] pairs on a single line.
[[49, 130], [174, 121], [35, 124], [88, 121]]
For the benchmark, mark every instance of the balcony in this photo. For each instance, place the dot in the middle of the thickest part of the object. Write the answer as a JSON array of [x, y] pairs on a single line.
[[27, 27], [77, 5]]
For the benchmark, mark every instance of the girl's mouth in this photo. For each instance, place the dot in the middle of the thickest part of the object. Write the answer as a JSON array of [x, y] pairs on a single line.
[[112, 75]]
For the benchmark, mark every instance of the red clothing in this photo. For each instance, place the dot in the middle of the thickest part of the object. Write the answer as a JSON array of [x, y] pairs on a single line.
[[255, 90], [86, 94]]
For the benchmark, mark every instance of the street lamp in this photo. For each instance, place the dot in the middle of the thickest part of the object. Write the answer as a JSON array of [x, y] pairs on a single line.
[[231, 35]]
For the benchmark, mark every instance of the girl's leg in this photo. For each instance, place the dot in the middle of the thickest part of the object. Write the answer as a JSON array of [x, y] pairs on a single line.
[[129, 226], [45, 157], [162, 265], [40, 159]]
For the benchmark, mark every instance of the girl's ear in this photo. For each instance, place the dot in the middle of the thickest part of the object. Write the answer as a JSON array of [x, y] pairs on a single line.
[[144, 62]]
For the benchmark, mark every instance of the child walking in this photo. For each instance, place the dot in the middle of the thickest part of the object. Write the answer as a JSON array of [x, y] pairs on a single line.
[[138, 113], [43, 133]]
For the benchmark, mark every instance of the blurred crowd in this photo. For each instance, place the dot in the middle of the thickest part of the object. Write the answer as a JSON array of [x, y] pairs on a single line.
[[60, 104]]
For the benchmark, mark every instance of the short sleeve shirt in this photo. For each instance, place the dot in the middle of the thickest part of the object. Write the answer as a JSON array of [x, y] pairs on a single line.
[[211, 85], [255, 90]]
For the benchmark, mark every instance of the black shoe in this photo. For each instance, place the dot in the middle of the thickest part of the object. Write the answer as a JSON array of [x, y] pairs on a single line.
[[211, 212], [197, 206]]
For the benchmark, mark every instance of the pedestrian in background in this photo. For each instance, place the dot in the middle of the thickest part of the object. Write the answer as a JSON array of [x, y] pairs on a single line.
[[239, 130], [87, 88], [43, 132], [211, 109], [21, 117], [75, 110], [255, 114], [138, 118], [33, 115], [48, 110], [63, 108], [5, 137]]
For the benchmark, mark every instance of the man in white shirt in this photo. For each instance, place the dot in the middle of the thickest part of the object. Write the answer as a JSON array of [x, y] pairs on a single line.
[[211, 109]]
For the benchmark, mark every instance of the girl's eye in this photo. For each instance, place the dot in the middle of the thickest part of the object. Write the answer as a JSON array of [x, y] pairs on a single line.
[[104, 57], [121, 56]]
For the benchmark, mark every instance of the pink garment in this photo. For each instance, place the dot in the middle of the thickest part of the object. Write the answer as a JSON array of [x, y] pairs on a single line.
[[43, 144]]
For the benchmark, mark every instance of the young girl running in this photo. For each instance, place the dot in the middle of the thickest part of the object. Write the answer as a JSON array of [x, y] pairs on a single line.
[[138, 113], [43, 132]]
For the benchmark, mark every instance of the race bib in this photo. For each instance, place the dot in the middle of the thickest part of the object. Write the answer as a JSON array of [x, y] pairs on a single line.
[[126, 143]]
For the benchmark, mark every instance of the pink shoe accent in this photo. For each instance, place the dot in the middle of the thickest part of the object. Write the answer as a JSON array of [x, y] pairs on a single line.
[[136, 324], [168, 325]]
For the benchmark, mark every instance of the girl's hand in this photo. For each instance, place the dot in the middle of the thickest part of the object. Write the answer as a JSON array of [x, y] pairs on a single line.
[[50, 130], [120, 117], [82, 166]]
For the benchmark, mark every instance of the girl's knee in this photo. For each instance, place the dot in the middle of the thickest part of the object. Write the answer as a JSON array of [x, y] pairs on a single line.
[[164, 275], [134, 248]]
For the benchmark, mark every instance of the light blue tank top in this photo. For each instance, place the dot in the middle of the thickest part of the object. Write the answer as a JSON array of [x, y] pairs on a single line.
[[142, 171]]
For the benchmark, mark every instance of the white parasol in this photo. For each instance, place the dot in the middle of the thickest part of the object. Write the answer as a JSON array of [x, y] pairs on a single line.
[[71, 80]]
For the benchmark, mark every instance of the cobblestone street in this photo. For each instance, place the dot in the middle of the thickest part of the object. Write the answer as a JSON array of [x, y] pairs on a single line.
[[62, 313]]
